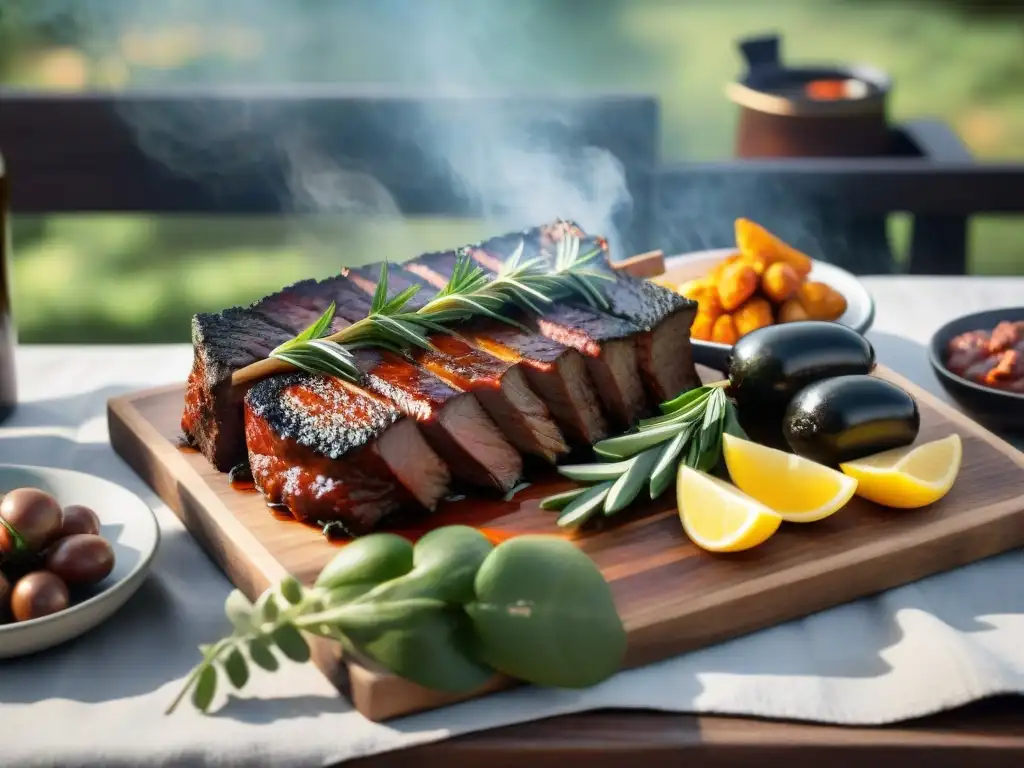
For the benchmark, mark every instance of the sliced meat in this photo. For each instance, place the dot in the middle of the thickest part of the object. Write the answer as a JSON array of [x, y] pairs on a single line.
[[451, 419], [663, 316], [222, 343], [331, 452], [606, 342], [499, 385], [557, 373]]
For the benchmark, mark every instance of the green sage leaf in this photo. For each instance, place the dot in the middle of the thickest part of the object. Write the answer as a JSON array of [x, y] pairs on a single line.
[[624, 446], [592, 473], [371, 559], [664, 471], [693, 412], [205, 688], [732, 423], [684, 399], [433, 647], [584, 507], [627, 488], [237, 668], [559, 500], [710, 437], [291, 643], [261, 655], [544, 614]]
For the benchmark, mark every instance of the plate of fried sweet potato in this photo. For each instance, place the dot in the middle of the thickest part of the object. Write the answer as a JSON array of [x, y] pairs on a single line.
[[761, 281]]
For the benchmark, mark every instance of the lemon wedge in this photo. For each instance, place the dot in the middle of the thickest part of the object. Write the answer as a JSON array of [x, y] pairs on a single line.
[[718, 517], [911, 477], [798, 489]]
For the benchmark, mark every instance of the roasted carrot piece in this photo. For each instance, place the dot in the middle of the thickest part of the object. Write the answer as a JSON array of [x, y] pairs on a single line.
[[779, 282], [724, 331], [792, 311], [756, 312], [736, 284], [759, 245]]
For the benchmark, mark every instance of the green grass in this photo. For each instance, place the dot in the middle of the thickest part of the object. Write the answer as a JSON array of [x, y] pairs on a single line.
[[129, 279]]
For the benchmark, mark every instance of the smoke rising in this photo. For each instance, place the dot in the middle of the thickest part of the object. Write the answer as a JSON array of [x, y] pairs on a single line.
[[513, 167]]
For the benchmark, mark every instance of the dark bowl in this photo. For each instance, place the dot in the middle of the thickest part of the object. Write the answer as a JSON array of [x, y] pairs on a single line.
[[999, 411]]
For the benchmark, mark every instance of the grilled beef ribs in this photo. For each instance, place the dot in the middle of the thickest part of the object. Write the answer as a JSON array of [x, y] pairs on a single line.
[[451, 419], [606, 342], [499, 385], [330, 452], [222, 343], [555, 372], [662, 317]]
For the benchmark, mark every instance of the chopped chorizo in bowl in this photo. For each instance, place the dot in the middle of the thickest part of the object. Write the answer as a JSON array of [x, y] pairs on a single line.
[[979, 360]]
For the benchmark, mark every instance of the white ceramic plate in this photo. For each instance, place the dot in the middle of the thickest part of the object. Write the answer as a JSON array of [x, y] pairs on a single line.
[[127, 523], [860, 307]]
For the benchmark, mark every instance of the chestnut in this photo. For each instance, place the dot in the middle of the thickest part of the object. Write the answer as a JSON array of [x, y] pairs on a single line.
[[82, 558], [79, 519], [38, 594], [31, 514]]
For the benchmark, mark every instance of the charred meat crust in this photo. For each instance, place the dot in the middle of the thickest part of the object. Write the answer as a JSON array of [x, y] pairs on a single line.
[[418, 393], [608, 342], [320, 413], [222, 343], [495, 380], [329, 452], [555, 372], [665, 317]]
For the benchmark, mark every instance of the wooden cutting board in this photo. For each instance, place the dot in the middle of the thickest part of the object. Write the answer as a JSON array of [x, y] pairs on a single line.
[[672, 596]]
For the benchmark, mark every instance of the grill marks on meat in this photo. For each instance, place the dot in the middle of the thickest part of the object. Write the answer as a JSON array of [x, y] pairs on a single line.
[[554, 371], [663, 317], [498, 383], [608, 343], [222, 343], [452, 420], [328, 451], [502, 390]]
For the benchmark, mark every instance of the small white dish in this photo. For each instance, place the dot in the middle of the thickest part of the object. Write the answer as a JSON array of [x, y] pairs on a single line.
[[860, 307], [126, 522]]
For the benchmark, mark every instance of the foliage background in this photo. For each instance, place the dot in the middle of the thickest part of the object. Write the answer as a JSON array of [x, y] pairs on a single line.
[[139, 278]]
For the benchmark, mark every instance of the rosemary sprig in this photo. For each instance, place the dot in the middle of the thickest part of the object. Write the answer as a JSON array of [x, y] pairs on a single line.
[[689, 430], [528, 284]]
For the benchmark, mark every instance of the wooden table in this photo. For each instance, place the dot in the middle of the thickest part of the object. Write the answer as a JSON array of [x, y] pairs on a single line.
[[989, 733]]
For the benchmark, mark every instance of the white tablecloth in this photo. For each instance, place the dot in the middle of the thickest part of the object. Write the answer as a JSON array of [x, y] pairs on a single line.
[[99, 700]]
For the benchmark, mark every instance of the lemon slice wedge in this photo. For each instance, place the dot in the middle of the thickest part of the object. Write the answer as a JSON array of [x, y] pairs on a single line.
[[718, 517], [798, 489], [911, 477]]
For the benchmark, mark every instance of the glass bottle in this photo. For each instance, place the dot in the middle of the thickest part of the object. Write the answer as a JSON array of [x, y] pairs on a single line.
[[8, 338]]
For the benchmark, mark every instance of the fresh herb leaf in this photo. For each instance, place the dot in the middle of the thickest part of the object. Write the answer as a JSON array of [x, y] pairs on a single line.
[[560, 500], [585, 507], [448, 615], [627, 487], [470, 292], [688, 431], [664, 471]]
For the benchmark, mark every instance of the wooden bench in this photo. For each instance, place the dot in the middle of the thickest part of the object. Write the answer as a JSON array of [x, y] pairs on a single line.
[[227, 152]]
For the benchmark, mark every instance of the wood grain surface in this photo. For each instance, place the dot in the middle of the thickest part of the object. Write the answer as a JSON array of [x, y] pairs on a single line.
[[672, 596], [987, 734]]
